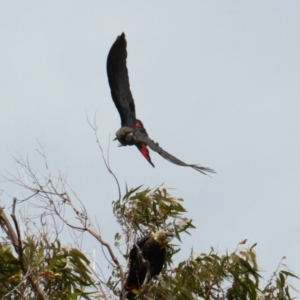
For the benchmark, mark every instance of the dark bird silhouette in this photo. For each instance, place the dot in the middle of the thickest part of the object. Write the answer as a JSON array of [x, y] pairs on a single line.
[[146, 261], [133, 131]]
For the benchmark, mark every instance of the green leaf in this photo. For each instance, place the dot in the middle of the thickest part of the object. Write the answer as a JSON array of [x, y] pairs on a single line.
[[289, 274]]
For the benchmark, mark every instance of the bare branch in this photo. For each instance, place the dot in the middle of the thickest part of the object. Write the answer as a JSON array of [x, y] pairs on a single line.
[[145, 263], [106, 161], [53, 200], [17, 243], [6, 226], [99, 238]]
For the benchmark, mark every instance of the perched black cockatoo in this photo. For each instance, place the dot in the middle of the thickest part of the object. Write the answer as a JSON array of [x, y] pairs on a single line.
[[150, 256], [132, 131]]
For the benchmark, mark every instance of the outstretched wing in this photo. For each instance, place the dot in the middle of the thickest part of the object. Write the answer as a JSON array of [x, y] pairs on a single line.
[[141, 138], [119, 81]]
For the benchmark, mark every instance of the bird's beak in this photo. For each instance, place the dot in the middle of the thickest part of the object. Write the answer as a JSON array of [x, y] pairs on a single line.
[[170, 236], [120, 145]]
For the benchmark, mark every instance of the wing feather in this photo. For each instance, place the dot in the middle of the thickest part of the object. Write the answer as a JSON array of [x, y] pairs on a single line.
[[119, 81], [157, 266], [166, 155], [145, 152], [139, 126]]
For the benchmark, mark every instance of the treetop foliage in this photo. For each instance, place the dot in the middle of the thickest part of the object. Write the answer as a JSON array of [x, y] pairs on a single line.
[[35, 265]]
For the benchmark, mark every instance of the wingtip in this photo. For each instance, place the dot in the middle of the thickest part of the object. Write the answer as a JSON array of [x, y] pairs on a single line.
[[203, 170], [119, 41], [122, 36]]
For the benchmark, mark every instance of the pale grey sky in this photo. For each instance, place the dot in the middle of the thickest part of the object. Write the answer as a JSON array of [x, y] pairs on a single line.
[[215, 83]]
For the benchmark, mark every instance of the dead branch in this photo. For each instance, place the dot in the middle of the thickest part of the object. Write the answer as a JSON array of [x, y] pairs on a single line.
[[17, 243], [145, 263], [106, 160], [99, 238], [52, 192]]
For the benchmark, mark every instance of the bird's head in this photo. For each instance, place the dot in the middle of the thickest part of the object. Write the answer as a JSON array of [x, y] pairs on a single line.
[[163, 238], [125, 135]]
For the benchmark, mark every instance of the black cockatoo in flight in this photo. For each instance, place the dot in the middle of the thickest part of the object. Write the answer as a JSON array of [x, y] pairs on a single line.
[[150, 256], [132, 131]]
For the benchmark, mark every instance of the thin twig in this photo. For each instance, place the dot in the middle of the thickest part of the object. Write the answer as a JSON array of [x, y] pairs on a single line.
[[106, 161]]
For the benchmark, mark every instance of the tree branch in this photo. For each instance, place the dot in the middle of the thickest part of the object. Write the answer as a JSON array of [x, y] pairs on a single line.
[[17, 243]]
